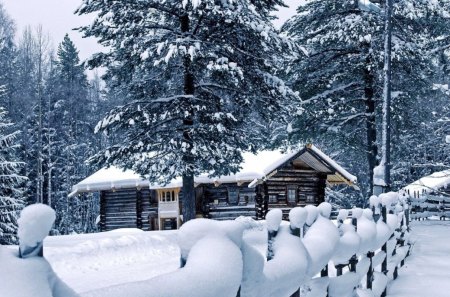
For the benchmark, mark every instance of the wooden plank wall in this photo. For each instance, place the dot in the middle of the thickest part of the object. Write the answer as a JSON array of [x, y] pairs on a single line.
[[310, 186], [126, 208], [228, 209]]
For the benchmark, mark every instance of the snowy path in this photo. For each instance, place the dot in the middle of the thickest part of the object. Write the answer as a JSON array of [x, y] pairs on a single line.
[[94, 261], [427, 270]]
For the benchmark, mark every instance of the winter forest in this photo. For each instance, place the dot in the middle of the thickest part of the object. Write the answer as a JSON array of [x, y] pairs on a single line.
[[190, 85], [248, 148]]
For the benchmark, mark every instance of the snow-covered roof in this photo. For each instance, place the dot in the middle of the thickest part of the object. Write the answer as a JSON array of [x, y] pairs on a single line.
[[255, 168], [109, 178], [430, 183]]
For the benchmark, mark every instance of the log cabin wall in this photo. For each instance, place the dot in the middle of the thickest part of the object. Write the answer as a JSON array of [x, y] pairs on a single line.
[[227, 201], [126, 208], [290, 187]]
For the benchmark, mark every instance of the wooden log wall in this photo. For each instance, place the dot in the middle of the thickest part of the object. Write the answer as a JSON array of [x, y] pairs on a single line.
[[228, 201], [309, 185], [126, 208]]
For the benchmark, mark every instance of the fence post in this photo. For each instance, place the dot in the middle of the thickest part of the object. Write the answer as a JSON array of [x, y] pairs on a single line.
[[370, 271], [353, 260], [384, 248], [271, 236], [296, 232]]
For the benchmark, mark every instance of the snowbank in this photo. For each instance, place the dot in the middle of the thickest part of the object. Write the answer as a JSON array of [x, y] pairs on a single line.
[[214, 268], [28, 277]]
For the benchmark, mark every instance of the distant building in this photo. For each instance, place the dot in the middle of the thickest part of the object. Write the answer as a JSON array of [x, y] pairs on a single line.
[[434, 184], [430, 195], [267, 180]]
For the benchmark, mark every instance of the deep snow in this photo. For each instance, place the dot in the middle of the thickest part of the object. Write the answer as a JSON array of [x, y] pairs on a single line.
[[427, 269]]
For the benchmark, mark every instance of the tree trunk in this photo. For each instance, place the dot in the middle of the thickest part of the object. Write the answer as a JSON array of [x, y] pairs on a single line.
[[371, 131], [188, 205], [386, 136]]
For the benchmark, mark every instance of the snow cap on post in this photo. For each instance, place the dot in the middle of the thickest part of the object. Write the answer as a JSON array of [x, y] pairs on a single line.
[[368, 213], [273, 219], [313, 212], [325, 209], [374, 201], [357, 213], [297, 217], [35, 223], [388, 199], [342, 215]]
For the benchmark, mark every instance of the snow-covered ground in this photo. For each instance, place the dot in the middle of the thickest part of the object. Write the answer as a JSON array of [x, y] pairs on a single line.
[[427, 270], [95, 261]]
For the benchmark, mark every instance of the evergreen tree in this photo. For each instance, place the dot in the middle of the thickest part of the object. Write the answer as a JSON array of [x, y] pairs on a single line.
[[69, 138], [197, 78], [7, 58], [11, 181]]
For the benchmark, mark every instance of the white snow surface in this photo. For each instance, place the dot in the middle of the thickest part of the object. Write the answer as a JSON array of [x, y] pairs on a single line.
[[35, 223], [427, 269], [29, 277], [89, 262], [214, 268]]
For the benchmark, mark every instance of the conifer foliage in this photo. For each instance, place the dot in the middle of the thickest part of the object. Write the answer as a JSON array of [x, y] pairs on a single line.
[[197, 78], [11, 181]]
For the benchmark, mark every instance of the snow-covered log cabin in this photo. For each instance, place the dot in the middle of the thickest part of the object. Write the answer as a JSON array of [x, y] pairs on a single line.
[[267, 180]]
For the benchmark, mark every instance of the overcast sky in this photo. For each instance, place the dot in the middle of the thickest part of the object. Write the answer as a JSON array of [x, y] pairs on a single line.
[[57, 18]]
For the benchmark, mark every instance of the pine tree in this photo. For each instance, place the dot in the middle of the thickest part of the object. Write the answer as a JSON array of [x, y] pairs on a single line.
[[69, 137], [197, 78], [11, 181]]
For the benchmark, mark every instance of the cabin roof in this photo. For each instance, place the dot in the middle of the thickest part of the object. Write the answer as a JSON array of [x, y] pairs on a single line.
[[255, 169], [430, 183]]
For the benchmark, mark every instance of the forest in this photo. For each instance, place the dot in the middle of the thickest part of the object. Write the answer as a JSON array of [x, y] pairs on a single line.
[[189, 86]]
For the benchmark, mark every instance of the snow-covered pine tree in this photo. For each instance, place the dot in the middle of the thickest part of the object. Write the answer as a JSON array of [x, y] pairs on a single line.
[[340, 78], [70, 120], [7, 57], [11, 181], [196, 77]]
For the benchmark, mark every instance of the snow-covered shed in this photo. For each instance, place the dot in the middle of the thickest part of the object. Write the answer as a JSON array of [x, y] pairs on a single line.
[[438, 182], [269, 179]]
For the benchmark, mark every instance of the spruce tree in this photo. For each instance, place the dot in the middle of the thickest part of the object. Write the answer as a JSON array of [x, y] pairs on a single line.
[[197, 79], [11, 180]]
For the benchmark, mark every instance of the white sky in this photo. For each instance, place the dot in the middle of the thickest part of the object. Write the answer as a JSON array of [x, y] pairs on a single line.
[[57, 18]]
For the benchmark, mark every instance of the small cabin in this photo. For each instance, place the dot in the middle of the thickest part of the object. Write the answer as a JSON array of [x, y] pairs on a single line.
[[267, 180]]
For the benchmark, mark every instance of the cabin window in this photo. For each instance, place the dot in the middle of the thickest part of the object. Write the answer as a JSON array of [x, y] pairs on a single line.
[[251, 199], [173, 196], [310, 198], [273, 198], [233, 195], [292, 194]]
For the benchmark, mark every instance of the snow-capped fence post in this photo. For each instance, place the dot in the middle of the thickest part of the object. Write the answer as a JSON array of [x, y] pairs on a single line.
[[384, 248], [273, 219], [369, 278], [354, 259], [297, 219], [35, 223]]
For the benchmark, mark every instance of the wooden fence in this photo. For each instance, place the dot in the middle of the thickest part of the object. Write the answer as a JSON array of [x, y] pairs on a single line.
[[369, 271], [426, 205]]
